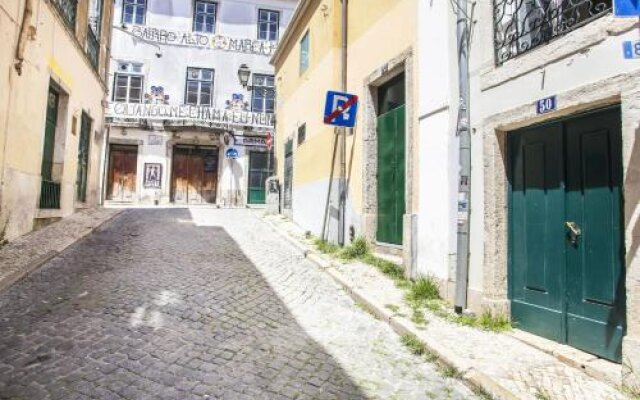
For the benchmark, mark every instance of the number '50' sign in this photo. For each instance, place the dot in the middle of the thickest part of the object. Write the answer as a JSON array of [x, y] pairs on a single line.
[[546, 105]]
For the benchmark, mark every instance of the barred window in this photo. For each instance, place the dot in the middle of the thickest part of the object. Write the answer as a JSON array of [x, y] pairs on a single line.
[[199, 88], [263, 94], [204, 17], [268, 25]]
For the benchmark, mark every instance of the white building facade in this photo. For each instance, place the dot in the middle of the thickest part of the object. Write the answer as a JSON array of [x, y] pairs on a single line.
[[184, 127], [554, 121]]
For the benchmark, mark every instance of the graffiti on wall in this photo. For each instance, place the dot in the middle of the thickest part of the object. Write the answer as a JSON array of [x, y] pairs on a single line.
[[194, 39]]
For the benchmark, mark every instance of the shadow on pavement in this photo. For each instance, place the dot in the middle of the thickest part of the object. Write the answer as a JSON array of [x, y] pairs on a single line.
[[152, 307]]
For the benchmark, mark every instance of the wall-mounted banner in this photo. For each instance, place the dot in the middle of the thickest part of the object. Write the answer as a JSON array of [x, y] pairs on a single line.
[[216, 42], [189, 113]]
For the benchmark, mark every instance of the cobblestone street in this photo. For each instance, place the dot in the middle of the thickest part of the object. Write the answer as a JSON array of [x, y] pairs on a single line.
[[196, 304]]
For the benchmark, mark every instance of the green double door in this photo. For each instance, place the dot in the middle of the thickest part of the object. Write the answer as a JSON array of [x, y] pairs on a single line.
[[259, 171], [391, 175], [566, 251]]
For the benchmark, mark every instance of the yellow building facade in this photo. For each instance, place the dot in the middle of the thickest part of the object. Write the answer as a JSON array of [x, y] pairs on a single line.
[[381, 71], [53, 74]]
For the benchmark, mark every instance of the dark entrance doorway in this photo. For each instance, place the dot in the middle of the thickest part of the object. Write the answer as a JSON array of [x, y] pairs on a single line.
[[391, 161], [123, 165], [259, 171], [194, 176], [566, 246]]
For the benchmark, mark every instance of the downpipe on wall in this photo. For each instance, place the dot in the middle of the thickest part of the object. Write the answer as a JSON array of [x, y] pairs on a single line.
[[464, 178], [343, 132]]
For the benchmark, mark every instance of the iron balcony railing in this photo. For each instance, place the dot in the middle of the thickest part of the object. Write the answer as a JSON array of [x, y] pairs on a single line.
[[93, 47], [521, 25], [68, 10], [49, 195]]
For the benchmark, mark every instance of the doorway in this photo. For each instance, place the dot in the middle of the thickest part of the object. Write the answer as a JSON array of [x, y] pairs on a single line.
[[391, 161], [123, 165], [194, 175], [566, 248], [260, 167]]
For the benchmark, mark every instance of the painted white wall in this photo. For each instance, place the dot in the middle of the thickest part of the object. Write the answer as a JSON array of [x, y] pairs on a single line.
[[237, 19], [438, 152]]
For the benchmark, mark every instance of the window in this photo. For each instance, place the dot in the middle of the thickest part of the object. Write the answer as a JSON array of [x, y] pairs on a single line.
[[268, 25], [302, 133], [199, 88], [133, 11], [128, 88], [264, 94], [204, 17], [521, 25], [304, 53]]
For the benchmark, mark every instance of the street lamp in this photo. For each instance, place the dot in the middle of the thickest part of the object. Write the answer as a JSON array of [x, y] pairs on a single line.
[[243, 74]]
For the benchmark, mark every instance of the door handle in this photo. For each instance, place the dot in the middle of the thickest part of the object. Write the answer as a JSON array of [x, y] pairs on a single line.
[[574, 231]]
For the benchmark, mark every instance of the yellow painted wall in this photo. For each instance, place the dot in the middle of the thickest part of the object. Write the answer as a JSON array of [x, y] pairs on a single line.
[[54, 54], [379, 30]]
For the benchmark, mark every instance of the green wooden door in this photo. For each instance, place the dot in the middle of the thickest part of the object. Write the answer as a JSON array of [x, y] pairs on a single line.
[[83, 157], [595, 268], [259, 166], [565, 239], [391, 175], [50, 134]]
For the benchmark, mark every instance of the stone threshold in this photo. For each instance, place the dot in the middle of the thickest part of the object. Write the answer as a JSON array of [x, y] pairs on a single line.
[[513, 365], [25, 254]]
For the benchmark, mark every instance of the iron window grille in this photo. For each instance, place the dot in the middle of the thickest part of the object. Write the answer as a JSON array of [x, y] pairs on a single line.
[[204, 17], [521, 25], [83, 157], [134, 11], [68, 10], [199, 87], [263, 94], [128, 88], [93, 47], [268, 25]]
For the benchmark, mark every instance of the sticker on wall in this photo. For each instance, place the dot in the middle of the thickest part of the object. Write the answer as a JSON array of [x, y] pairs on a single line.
[[153, 175], [156, 96]]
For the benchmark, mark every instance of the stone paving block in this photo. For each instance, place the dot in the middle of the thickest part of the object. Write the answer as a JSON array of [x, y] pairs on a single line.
[[150, 308]]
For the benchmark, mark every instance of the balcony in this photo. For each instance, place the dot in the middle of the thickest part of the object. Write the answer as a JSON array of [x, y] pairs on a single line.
[[522, 25], [67, 9], [49, 195], [93, 47]]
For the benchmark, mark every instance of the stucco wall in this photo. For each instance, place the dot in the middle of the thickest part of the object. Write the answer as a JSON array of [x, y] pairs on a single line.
[[53, 54]]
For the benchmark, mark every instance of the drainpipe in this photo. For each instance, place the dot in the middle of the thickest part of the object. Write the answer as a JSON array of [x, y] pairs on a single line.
[[24, 33], [464, 179], [343, 134]]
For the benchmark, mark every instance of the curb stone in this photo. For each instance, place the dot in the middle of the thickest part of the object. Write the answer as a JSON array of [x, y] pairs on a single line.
[[402, 327], [32, 265]]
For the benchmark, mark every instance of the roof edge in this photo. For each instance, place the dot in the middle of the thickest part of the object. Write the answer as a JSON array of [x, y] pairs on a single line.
[[288, 33]]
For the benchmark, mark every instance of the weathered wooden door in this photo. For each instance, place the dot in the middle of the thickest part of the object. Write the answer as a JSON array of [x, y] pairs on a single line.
[[258, 173], [391, 175], [123, 165], [194, 175], [565, 232]]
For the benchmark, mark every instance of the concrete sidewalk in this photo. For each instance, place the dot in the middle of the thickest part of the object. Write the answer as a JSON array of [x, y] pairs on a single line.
[[26, 253], [501, 364]]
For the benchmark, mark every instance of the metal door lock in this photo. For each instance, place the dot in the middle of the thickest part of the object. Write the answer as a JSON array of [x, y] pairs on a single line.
[[574, 231]]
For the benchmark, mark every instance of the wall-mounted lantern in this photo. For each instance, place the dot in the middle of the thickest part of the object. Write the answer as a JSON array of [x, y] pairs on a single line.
[[244, 73]]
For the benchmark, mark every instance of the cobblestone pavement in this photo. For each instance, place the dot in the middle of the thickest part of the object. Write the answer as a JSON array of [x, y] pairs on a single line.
[[178, 304]]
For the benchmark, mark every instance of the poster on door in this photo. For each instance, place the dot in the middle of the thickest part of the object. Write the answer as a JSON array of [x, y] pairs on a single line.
[[152, 175]]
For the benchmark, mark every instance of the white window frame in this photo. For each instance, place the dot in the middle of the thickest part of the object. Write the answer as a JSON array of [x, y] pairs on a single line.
[[136, 6], [269, 24], [127, 98], [195, 14], [199, 81]]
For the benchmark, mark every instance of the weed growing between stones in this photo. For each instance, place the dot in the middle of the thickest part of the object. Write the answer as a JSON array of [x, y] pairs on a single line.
[[633, 389], [422, 293], [414, 344]]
